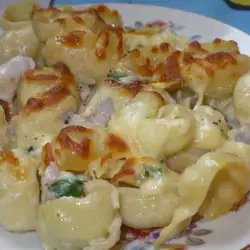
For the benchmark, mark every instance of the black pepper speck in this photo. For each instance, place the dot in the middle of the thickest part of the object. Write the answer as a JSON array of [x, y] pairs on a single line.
[[30, 149]]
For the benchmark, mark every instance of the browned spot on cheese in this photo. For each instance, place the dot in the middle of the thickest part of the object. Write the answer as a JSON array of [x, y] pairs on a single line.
[[165, 47], [60, 75], [49, 9], [134, 88], [89, 11], [103, 9], [49, 98], [74, 149], [78, 19], [170, 72], [188, 58], [239, 205], [218, 41], [135, 53], [104, 159], [35, 75], [116, 144], [83, 147], [155, 49], [196, 47], [67, 77], [104, 41], [145, 69], [8, 158], [126, 170], [59, 20], [72, 39], [221, 59], [131, 89], [6, 109], [47, 155], [102, 44]]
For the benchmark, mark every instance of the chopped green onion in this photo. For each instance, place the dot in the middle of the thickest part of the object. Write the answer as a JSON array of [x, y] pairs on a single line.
[[153, 171], [67, 187], [116, 75]]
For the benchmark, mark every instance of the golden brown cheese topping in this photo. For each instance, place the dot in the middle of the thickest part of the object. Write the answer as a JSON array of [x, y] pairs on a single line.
[[111, 17], [201, 66], [132, 171], [105, 40], [143, 61], [40, 80], [76, 147], [7, 111], [217, 45], [50, 22], [43, 117], [47, 155], [88, 56], [158, 64], [213, 68], [73, 39], [128, 89], [7, 158], [49, 98]]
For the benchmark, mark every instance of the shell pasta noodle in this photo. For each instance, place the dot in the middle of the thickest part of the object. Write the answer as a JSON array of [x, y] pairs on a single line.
[[104, 127]]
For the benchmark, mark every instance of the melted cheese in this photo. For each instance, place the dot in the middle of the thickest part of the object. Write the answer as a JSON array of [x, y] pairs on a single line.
[[3, 129], [17, 15], [42, 118], [222, 180], [19, 188], [151, 128], [71, 223], [120, 93], [211, 128], [50, 22], [143, 209], [86, 54], [21, 42], [213, 69], [241, 99], [36, 82], [76, 147]]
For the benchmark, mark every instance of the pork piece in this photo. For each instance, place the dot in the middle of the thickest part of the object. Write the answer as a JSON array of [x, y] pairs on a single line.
[[10, 75]]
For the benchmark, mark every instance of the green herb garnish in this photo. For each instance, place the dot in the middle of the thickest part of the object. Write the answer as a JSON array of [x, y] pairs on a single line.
[[153, 172], [115, 75], [67, 187]]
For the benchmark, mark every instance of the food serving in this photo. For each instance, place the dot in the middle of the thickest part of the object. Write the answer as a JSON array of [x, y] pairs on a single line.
[[105, 126]]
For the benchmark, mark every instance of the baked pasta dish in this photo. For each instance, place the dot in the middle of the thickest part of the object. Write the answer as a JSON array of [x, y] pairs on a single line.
[[104, 126]]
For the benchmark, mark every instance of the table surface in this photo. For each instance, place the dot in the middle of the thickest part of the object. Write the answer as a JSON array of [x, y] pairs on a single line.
[[216, 9]]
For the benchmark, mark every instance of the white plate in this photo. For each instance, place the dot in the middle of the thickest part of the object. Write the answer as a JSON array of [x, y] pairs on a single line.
[[230, 232]]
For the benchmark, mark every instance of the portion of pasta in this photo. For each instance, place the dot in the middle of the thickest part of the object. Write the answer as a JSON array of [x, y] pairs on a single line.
[[104, 126]]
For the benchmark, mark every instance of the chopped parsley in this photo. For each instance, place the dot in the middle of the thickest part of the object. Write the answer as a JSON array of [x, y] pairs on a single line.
[[115, 75], [67, 187]]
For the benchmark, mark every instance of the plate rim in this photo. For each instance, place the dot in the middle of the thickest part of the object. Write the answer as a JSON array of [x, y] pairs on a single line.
[[166, 8], [205, 18]]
